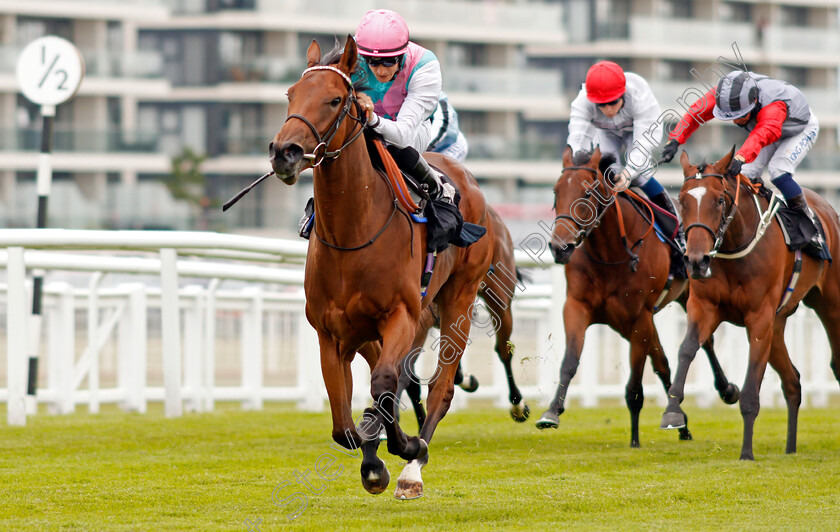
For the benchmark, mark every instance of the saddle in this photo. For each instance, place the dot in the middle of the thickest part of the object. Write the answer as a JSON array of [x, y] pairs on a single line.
[[444, 223], [798, 231]]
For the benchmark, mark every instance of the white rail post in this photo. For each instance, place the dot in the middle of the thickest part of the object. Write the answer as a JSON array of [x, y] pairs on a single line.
[[209, 379], [170, 332], [62, 348], [556, 346], [131, 376], [193, 339], [252, 349], [308, 367], [16, 314], [93, 341]]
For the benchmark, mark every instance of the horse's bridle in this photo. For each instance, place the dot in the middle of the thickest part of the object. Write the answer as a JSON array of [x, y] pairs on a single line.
[[320, 153], [581, 234], [726, 217]]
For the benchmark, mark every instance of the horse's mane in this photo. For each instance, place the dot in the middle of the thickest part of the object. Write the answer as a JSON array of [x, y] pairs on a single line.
[[333, 56], [582, 158]]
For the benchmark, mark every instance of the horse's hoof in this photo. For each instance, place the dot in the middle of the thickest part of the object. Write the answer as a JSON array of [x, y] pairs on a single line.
[[549, 420], [731, 394], [685, 435], [672, 420], [410, 484], [470, 385], [376, 479], [520, 412]]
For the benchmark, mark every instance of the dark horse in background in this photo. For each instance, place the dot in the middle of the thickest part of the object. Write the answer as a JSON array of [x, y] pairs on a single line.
[[734, 282], [497, 290], [606, 283], [364, 264]]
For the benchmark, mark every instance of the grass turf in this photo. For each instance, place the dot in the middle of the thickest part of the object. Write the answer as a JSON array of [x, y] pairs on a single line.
[[220, 471]]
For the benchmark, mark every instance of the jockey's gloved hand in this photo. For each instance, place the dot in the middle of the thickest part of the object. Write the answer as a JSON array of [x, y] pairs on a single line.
[[734, 166], [670, 150], [618, 177]]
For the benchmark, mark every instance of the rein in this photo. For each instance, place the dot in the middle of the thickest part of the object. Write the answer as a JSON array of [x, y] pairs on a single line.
[[582, 234], [727, 218]]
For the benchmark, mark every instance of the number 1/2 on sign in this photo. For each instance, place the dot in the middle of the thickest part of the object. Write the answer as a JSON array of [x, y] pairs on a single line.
[[50, 70]]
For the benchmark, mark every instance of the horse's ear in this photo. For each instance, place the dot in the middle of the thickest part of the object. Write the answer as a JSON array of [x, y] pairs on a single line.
[[684, 162], [347, 63], [567, 156], [596, 157], [313, 54], [723, 164]]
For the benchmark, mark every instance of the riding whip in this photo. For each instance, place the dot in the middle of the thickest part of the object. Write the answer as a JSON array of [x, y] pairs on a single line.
[[244, 191]]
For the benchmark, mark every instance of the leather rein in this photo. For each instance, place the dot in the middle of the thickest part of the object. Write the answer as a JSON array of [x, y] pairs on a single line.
[[582, 233]]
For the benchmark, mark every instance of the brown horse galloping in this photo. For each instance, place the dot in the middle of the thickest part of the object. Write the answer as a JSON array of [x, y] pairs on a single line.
[[601, 287], [750, 289], [364, 265]]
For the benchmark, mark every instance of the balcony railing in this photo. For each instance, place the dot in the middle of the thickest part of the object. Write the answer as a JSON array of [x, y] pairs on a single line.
[[498, 147], [81, 140], [107, 64], [691, 33], [263, 69], [804, 40], [489, 16], [503, 81], [103, 64]]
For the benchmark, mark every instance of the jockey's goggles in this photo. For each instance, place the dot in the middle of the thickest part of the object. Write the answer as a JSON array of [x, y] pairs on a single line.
[[382, 61], [609, 104]]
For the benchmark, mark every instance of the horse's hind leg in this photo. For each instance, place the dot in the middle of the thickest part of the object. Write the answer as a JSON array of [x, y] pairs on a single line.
[[728, 391], [828, 310], [791, 387], [576, 318], [412, 388], [504, 327]]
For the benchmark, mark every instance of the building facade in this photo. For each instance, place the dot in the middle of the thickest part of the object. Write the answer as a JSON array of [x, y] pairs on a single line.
[[211, 76]]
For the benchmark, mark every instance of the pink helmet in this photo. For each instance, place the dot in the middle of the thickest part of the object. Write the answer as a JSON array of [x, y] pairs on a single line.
[[382, 33]]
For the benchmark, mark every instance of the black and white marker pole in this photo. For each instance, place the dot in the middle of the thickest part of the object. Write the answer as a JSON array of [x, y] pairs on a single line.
[[49, 72]]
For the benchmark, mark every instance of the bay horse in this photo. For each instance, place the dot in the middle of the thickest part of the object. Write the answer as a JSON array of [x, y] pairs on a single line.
[[617, 277], [742, 278], [497, 290], [364, 264]]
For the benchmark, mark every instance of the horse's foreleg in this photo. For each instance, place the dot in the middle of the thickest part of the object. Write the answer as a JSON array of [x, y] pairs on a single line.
[[728, 391], [703, 319], [760, 333], [333, 368], [791, 387], [455, 330], [576, 318], [397, 334]]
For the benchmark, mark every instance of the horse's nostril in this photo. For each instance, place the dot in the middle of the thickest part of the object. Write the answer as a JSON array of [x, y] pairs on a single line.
[[292, 153], [271, 152]]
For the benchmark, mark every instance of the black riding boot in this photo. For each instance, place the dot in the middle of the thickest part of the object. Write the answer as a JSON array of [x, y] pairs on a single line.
[[800, 204], [413, 163], [664, 201]]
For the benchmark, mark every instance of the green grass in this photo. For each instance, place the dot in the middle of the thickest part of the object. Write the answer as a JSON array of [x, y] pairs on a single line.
[[117, 471]]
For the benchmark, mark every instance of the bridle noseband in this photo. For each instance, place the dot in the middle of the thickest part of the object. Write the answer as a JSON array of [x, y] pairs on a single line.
[[581, 234], [726, 217], [320, 153]]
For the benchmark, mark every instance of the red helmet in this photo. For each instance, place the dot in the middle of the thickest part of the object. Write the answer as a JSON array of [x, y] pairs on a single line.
[[604, 82]]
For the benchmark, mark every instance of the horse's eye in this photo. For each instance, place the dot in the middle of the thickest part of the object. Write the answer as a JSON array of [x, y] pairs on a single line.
[[335, 102]]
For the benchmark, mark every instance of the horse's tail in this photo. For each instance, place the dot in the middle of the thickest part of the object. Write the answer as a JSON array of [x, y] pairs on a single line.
[[523, 276]]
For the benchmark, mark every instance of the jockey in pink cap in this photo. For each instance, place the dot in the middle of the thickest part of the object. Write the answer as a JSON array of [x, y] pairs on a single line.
[[404, 82]]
